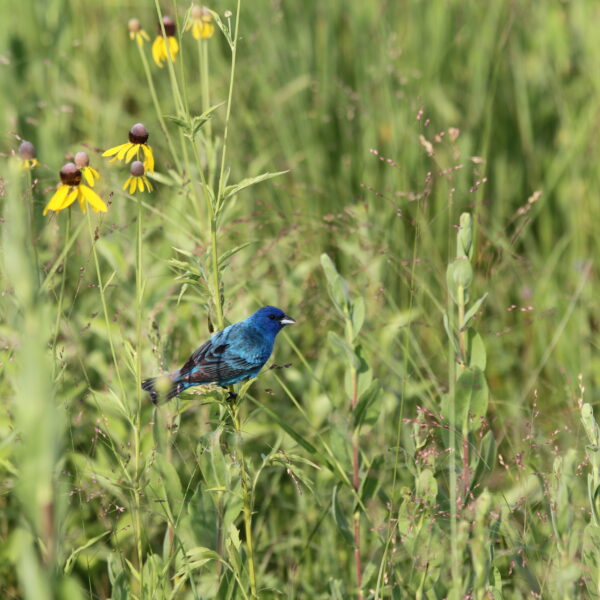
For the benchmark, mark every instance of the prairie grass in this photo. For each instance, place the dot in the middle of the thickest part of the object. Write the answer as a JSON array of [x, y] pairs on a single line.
[[416, 184]]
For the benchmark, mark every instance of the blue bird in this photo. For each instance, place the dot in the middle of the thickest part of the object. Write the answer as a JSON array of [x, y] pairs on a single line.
[[238, 352]]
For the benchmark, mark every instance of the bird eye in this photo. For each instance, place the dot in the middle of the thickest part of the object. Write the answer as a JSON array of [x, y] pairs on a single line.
[[272, 317]]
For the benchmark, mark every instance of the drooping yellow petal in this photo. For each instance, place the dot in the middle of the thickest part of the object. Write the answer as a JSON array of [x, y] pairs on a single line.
[[81, 200], [73, 193], [133, 151], [196, 30], [148, 184], [57, 199], [173, 47], [126, 183], [148, 159], [115, 149], [90, 175], [94, 200], [208, 30], [132, 184], [158, 50], [125, 148]]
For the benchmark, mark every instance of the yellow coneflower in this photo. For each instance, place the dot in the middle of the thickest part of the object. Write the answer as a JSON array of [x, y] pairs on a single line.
[[27, 154], [136, 32], [82, 161], [201, 23], [160, 52], [72, 189], [138, 136], [138, 182]]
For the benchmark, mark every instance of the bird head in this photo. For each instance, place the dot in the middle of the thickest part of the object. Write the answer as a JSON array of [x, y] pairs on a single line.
[[271, 319]]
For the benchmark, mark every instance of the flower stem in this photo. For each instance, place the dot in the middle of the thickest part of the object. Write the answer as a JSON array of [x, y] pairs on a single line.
[[103, 301], [356, 485], [158, 110], [228, 112], [205, 82], [246, 498], [454, 565], [61, 293], [138, 382]]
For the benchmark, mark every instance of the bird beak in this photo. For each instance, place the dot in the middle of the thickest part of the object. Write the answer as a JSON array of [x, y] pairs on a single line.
[[287, 320]]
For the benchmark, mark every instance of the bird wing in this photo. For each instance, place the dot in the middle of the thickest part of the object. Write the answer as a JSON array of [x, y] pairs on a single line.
[[227, 355]]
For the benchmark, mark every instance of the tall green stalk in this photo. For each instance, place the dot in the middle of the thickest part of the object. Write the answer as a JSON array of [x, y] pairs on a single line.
[[136, 424], [157, 109], [134, 482], [61, 294]]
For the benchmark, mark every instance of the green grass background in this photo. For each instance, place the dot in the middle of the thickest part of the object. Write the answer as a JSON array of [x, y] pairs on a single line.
[[508, 94]]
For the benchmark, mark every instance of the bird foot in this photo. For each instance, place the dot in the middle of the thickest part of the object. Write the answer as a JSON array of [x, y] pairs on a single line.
[[231, 397]]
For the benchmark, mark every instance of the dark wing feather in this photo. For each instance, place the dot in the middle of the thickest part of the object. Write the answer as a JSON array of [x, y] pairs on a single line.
[[214, 362]]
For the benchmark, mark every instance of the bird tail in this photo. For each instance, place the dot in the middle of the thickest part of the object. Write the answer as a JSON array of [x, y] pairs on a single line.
[[161, 389]]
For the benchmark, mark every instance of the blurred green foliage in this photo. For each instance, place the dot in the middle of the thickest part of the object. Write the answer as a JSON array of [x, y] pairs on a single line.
[[393, 119]]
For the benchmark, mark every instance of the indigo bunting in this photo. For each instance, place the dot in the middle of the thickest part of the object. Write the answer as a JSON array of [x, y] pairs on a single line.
[[234, 354]]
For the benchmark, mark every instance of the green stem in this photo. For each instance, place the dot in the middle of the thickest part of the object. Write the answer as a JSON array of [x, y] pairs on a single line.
[[228, 112], [246, 498], [216, 274], [32, 225], [104, 305], [61, 294], [462, 334], [157, 108], [356, 485], [138, 382], [205, 82], [455, 566]]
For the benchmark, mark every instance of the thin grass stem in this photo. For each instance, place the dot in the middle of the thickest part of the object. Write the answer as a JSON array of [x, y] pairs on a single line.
[[61, 293]]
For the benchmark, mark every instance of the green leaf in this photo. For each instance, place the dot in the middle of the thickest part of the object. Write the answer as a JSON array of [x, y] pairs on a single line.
[[450, 335], [291, 431], [363, 412], [372, 480], [340, 518], [337, 287], [473, 310], [471, 398], [476, 350], [339, 343], [224, 29], [486, 459], [358, 315], [590, 552], [232, 190], [427, 488], [75, 553], [171, 483], [589, 424], [226, 255]]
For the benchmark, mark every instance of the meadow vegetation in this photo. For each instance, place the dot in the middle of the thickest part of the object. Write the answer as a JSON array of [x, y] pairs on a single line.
[[416, 184]]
